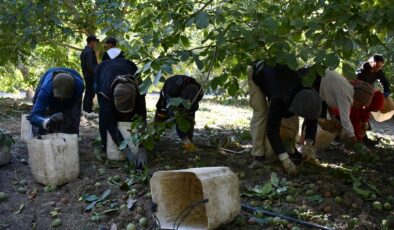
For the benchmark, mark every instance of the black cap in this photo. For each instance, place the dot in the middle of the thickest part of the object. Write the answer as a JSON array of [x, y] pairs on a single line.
[[91, 38], [111, 41]]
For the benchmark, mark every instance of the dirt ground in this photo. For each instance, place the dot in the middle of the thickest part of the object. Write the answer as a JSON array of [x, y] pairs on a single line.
[[328, 194]]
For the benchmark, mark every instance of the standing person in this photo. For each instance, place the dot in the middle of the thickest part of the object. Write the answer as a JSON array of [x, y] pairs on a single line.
[[372, 70], [119, 100], [186, 88], [57, 102], [276, 93], [88, 65], [112, 51]]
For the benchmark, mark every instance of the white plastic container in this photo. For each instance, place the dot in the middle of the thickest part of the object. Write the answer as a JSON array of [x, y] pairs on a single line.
[[324, 138], [175, 191], [113, 152], [26, 128], [54, 159], [381, 117]]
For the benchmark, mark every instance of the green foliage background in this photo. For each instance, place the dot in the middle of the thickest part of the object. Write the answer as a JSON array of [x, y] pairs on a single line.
[[166, 37]]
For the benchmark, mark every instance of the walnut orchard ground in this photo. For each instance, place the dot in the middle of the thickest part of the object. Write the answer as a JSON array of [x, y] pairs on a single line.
[[313, 195]]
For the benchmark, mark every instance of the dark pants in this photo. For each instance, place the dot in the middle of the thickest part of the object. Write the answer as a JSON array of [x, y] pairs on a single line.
[[69, 125], [89, 94]]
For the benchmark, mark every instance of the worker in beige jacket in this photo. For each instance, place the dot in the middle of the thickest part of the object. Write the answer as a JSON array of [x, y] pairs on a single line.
[[338, 93]]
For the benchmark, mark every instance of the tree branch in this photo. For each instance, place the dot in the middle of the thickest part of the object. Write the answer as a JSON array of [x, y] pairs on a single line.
[[72, 47]]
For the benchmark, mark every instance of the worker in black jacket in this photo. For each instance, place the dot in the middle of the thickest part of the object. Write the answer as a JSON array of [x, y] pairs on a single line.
[[119, 100], [281, 95], [88, 65], [371, 71], [112, 51], [188, 89]]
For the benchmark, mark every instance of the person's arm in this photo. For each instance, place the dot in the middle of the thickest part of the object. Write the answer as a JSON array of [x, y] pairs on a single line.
[[385, 83], [91, 62], [274, 119], [362, 72], [111, 122], [344, 105], [37, 116], [310, 129]]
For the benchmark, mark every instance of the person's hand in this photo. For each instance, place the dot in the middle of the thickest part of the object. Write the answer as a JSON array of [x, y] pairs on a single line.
[[309, 153], [189, 148], [288, 165], [142, 158], [349, 140], [53, 121]]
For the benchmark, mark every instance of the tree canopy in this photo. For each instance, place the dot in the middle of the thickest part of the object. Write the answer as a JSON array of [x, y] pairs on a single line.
[[166, 36]]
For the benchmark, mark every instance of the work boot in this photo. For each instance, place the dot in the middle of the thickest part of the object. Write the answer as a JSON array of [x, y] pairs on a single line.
[[288, 165]]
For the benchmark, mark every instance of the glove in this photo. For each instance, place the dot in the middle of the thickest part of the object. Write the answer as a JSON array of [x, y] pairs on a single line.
[[288, 165], [386, 94], [142, 158], [309, 152], [189, 148], [53, 122]]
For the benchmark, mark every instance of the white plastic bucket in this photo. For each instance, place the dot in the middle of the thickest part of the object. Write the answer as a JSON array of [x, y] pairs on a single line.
[[54, 159], [175, 191], [113, 152], [324, 138], [26, 128]]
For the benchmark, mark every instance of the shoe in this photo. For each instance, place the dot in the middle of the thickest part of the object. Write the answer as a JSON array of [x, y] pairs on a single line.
[[369, 142]]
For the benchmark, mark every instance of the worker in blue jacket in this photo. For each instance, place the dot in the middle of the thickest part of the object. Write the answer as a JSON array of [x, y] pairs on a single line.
[[57, 102]]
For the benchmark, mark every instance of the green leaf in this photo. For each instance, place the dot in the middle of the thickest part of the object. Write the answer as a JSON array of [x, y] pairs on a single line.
[[291, 61], [362, 192], [202, 20], [199, 63], [144, 87], [124, 144], [174, 101], [183, 124], [184, 55], [332, 60], [90, 206], [190, 22], [157, 78], [167, 69], [105, 194], [185, 41], [274, 179], [348, 71], [90, 198], [147, 66], [315, 198], [266, 189]]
